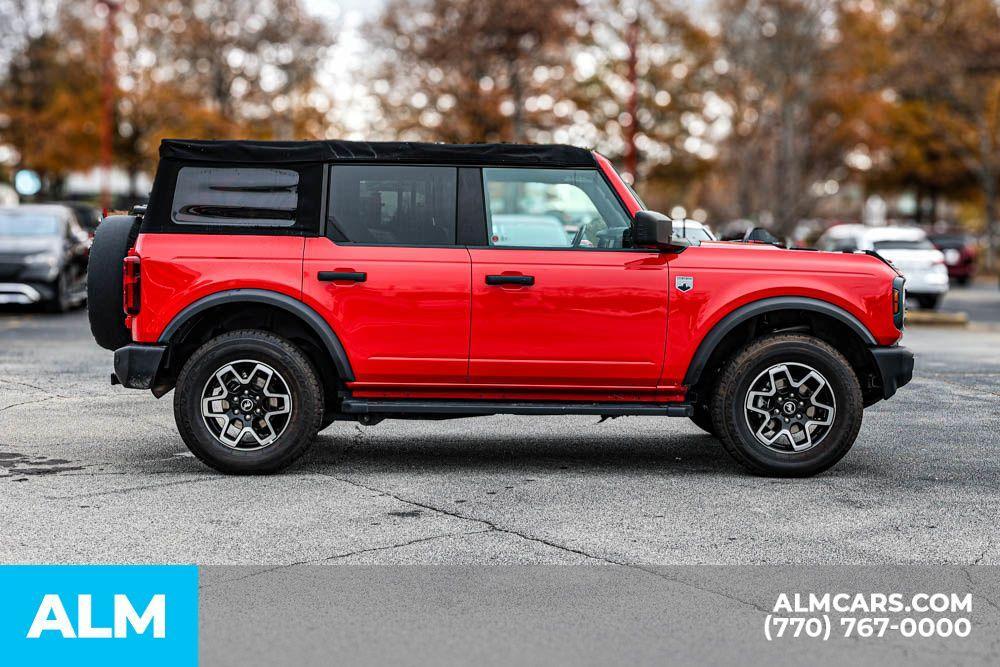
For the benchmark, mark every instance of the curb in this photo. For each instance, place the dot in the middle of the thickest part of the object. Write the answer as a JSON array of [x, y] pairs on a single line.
[[933, 317]]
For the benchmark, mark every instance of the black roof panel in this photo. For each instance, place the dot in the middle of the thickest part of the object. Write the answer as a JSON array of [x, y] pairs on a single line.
[[555, 155]]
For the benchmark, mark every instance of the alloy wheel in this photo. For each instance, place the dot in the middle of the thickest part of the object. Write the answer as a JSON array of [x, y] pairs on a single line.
[[246, 405], [790, 407]]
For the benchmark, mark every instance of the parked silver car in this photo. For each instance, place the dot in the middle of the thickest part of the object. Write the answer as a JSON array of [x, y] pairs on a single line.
[[907, 248]]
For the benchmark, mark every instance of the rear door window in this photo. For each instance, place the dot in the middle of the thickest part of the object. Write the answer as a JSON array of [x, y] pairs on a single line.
[[236, 197], [392, 205]]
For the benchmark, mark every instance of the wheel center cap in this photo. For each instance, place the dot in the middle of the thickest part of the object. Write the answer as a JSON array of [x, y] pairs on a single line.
[[789, 407], [246, 405]]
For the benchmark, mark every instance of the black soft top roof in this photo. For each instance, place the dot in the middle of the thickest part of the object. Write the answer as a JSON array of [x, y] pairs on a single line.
[[555, 155]]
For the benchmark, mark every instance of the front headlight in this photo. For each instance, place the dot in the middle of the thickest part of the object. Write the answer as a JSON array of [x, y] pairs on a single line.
[[49, 259]]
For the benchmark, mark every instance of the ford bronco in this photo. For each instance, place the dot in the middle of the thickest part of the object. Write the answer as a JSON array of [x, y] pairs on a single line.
[[279, 286]]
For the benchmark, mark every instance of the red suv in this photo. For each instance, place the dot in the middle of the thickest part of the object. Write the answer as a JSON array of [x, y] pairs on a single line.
[[280, 286]]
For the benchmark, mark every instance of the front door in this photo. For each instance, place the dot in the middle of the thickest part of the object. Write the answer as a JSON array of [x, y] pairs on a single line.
[[556, 300], [389, 277]]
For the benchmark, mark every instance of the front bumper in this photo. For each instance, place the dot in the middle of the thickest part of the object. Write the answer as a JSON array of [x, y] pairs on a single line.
[[895, 366], [24, 293], [136, 366]]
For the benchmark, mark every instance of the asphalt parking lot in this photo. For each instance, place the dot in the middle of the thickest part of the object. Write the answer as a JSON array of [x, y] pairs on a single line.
[[95, 473]]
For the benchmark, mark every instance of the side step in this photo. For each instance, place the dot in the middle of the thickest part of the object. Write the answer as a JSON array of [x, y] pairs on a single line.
[[360, 406]]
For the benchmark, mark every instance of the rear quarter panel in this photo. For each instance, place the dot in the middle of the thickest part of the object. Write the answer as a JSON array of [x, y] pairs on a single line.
[[179, 269], [728, 276]]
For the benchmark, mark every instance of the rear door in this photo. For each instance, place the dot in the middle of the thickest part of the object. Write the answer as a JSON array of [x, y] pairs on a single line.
[[556, 300], [389, 277]]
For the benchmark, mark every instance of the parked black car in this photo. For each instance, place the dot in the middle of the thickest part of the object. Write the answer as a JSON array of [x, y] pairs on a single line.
[[87, 215], [43, 256]]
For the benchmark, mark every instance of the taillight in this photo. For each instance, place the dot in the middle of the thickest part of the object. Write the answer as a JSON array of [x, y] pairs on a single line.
[[130, 285]]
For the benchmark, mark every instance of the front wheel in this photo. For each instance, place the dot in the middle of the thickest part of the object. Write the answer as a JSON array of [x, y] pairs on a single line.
[[248, 402], [59, 303], [788, 406]]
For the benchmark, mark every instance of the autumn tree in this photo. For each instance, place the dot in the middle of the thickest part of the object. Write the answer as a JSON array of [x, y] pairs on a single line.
[[796, 94], [947, 62], [202, 69], [462, 71], [644, 80], [49, 108]]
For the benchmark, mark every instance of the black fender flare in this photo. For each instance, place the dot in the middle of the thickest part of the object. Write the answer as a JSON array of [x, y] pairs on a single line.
[[755, 308], [313, 319]]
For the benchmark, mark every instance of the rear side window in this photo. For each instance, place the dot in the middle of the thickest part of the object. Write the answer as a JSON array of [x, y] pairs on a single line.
[[392, 205], [236, 197]]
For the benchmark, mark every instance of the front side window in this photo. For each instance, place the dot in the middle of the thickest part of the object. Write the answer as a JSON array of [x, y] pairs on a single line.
[[236, 197], [552, 208], [393, 205]]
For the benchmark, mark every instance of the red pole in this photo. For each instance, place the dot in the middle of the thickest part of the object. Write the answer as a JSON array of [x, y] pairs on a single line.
[[631, 154], [108, 93]]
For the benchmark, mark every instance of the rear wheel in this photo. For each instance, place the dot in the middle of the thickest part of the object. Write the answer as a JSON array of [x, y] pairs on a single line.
[[788, 406], [248, 402]]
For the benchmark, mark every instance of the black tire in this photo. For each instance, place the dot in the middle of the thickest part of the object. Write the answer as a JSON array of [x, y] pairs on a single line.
[[326, 421], [115, 236], [702, 418], [963, 281], [928, 301], [59, 303], [728, 405], [295, 371]]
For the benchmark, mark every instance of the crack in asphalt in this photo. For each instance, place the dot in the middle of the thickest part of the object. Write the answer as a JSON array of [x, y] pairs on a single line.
[[324, 559], [132, 489], [32, 386], [554, 545], [37, 400], [972, 585]]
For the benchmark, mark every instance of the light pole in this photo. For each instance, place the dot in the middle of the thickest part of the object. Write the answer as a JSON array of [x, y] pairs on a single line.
[[108, 88]]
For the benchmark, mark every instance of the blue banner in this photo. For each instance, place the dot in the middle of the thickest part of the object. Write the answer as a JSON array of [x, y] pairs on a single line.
[[99, 615]]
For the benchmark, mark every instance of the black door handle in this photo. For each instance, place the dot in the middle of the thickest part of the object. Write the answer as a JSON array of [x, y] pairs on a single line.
[[353, 276], [510, 280]]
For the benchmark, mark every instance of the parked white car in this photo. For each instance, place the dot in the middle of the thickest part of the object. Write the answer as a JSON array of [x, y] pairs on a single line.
[[906, 247], [694, 230]]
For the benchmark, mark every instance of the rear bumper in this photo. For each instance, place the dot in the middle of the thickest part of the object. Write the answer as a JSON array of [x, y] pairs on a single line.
[[895, 365], [136, 366]]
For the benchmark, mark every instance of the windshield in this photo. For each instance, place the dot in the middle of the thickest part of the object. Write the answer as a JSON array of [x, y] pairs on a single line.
[[921, 244], [27, 224]]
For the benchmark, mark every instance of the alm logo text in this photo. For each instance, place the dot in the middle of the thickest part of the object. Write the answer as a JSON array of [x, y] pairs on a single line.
[[52, 617]]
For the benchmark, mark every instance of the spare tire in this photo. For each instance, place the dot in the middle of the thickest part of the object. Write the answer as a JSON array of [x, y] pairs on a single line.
[[115, 236]]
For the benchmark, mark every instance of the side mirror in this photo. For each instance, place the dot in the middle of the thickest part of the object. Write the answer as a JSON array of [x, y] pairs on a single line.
[[652, 230]]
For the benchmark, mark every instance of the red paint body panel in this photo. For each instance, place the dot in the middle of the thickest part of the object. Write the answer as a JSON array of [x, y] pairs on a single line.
[[593, 318], [408, 322], [728, 276], [597, 325], [179, 269]]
